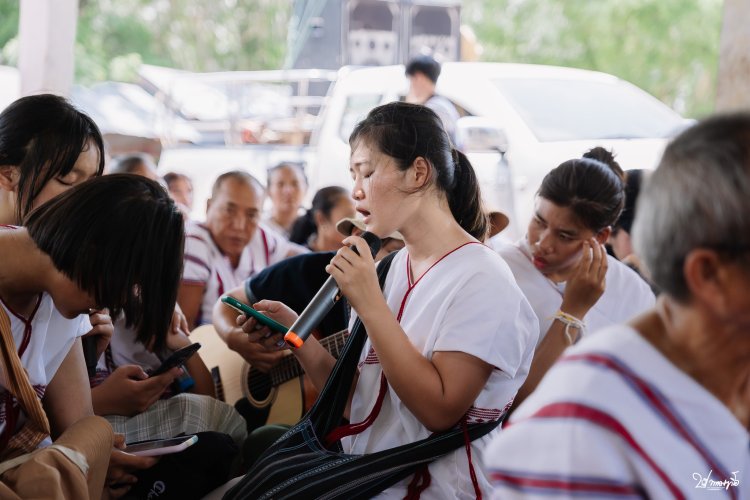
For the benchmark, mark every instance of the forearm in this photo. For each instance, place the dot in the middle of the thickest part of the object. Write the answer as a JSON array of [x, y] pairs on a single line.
[[317, 362], [190, 298], [415, 379], [104, 403], [547, 352], [68, 398], [204, 383]]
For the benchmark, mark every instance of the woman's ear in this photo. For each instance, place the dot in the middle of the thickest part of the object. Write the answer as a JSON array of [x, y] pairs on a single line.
[[421, 172], [9, 177], [319, 218], [603, 236]]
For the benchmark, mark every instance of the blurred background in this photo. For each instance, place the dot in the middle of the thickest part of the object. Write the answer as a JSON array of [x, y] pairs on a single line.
[[209, 86]]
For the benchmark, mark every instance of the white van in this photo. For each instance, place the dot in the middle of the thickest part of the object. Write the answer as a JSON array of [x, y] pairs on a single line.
[[519, 121]]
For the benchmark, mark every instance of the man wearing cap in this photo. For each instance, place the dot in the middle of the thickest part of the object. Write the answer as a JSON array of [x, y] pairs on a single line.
[[423, 72]]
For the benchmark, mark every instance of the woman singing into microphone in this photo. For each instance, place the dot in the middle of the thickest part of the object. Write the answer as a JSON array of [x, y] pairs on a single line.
[[451, 331]]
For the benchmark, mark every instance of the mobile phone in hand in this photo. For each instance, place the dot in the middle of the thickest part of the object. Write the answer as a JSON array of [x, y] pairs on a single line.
[[176, 359], [249, 311], [159, 447]]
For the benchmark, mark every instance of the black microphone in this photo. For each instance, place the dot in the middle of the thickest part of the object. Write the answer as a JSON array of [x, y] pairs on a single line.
[[89, 354], [323, 301]]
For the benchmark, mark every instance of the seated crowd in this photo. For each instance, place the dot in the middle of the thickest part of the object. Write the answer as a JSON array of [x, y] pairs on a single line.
[[605, 353]]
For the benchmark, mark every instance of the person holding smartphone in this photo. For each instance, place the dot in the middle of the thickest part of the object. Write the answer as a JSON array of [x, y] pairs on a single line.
[[48, 147], [52, 278], [450, 337], [562, 266]]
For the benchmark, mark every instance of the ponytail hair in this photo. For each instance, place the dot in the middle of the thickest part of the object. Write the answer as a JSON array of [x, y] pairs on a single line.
[[324, 201], [465, 199], [303, 228], [406, 132]]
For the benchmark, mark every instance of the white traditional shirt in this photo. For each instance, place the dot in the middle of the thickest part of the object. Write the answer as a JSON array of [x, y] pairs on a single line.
[[614, 418], [625, 296], [43, 341], [206, 265], [467, 302]]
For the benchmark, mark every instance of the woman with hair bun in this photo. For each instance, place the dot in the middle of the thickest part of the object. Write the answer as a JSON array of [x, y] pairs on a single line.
[[450, 333], [561, 264]]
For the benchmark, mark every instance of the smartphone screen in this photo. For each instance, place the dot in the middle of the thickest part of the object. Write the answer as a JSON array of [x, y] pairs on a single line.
[[161, 446]]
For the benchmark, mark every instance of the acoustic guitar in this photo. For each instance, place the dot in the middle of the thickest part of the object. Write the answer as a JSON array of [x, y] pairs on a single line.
[[285, 388]]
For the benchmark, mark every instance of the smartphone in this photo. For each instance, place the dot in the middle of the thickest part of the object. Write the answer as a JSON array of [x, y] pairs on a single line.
[[160, 446], [249, 311], [176, 359]]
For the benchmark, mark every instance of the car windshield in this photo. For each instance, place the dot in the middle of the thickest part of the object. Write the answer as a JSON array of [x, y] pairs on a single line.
[[566, 110]]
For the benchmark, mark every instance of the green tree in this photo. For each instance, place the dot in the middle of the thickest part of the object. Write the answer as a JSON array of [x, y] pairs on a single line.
[[668, 47], [8, 30], [187, 34]]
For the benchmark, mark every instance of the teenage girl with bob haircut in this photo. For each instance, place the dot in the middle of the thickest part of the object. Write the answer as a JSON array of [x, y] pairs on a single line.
[[561, 264], [111, 242], [451, 333]]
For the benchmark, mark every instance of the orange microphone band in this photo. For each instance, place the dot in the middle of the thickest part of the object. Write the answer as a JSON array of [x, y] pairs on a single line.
[[293, 339]]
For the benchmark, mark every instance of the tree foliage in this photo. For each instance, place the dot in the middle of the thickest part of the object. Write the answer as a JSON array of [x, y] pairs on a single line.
[[116, 35], [668, 47], [186, 34]]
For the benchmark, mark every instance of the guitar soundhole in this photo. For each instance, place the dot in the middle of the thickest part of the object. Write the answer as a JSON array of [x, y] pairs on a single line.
[[259, 385]]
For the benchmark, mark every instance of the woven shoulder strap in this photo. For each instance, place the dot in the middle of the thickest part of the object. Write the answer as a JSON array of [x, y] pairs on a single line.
[[17, 381], [328, 410]]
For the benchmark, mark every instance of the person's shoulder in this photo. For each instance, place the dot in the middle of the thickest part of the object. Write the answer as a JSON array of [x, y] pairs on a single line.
[[623, 281], [197, 233]]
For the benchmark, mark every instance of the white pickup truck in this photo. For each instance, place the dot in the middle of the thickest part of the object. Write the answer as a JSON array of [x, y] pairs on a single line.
[[518, 122]]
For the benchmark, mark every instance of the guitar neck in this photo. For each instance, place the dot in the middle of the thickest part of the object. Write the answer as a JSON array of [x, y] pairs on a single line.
[[289, 368]]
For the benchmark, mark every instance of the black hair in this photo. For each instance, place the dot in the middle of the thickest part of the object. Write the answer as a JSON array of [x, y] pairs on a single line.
[[592, 187], [324, 201], [296, 166], [633, 180], [128, 164], [171, 177], [406, 132], [120, 238], [43, 136], [426, 65], [237, 176]]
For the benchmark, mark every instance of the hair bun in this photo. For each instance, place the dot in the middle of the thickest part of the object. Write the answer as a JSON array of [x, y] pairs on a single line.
[[607, 157]]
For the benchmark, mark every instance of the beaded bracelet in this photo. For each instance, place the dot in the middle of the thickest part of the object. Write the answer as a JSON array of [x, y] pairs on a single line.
[[570, 321]]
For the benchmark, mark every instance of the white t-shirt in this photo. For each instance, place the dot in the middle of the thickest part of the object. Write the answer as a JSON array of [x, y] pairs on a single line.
[[126, 350], [626, 294], [42, 341], [206, 265], [467, 302], [614, 418]]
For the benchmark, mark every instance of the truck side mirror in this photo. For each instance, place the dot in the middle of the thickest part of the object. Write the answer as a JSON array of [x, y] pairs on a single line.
[[479, 134]]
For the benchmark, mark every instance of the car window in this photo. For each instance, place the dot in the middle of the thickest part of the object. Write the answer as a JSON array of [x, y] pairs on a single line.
[[564, 110], [356, 109]]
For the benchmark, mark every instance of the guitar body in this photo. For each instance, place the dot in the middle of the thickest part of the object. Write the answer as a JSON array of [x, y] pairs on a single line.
[[286, 399], [235, 379]]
